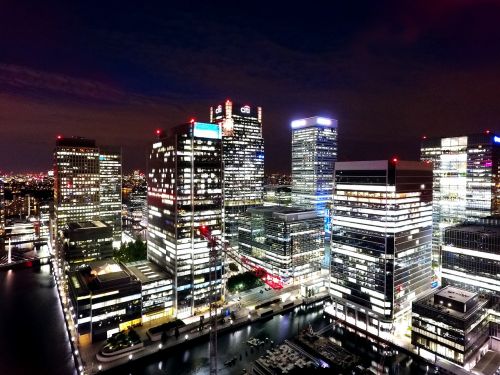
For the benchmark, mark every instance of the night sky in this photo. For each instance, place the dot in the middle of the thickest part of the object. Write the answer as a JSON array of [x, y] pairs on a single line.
[[389, 72]]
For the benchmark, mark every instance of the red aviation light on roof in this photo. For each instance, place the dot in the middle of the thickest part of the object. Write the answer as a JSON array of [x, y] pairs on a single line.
[[487, 131], [424, 137], [157, 131], [192, 121], [59, 137], [394, 160]]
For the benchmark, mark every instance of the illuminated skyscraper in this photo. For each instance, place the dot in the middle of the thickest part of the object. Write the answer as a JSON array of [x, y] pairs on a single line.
[[110, 190], [76, 181], [314, 152], [185, 192], [466, 180], [243, 157], [381, 241]]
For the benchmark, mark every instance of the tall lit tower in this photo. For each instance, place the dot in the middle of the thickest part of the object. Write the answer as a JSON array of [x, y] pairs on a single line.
[[110, 190], [243, 158], [314, 152], [381, 242], [184, 193], [76, 181], [466, 180]]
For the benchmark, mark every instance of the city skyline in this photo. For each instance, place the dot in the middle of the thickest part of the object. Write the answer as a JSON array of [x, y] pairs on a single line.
[[387, 72]]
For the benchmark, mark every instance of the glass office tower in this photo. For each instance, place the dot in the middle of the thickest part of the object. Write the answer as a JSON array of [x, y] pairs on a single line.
[[243, 158], [465, 180], [76, 181], [287, 242], [314, 152], [110, 190], [185, 192], [381, 242]]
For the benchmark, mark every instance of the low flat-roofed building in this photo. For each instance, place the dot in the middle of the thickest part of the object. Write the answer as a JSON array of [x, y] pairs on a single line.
[[87, 241], [453, 324], [106, 299], [287, 242], [156, 289]]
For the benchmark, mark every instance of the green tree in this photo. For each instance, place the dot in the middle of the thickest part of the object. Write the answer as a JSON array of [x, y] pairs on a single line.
[[233, 267], [132, 251]]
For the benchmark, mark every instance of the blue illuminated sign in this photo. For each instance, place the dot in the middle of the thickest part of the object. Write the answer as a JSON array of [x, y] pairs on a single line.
[[496, 139], [206, 130]]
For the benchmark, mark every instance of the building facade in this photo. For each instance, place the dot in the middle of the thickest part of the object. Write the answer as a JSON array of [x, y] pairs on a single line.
[[314, 152], [105, 300], [76, 181], [110, 190], [156, 289], [185, 192], [243, 158], [453, 324], [381, 242], [470, 257], [466, 180], [87, 241], [286, 242]]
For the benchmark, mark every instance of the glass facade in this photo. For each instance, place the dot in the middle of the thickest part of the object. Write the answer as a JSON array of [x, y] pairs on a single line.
[[185, 192], [76, 181], [465, 180], [381, 241], [314, 152], [243, 158], [110, 190], [470, 257], [453, 331], [286, 242], [86, 242]]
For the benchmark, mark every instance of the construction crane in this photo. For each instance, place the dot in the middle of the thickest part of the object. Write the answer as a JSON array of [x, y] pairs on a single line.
[[217, 248], [212, 295]]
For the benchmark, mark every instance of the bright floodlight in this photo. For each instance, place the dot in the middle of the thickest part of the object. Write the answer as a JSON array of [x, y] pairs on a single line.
[[297, 123], [324, 121]]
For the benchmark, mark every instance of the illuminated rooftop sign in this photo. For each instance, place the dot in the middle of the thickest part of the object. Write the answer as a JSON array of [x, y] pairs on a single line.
[[206, 130], [496, 139], [314, 121]]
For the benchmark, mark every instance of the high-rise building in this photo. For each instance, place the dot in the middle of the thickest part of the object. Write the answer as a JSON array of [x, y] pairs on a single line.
[[110, 190], [314, 152], [76, 181], [381, 242], [286, 242], [243, 158], [87, 184], [470, 257], [85, 242], [466, 180], [185, 192]]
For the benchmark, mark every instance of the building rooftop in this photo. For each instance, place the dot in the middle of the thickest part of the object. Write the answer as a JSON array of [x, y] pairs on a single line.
[[100, 274], [456, 294], [86, 225], [146, 271], [490, 225], [314, 121], [449, 293], [285, 213]]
